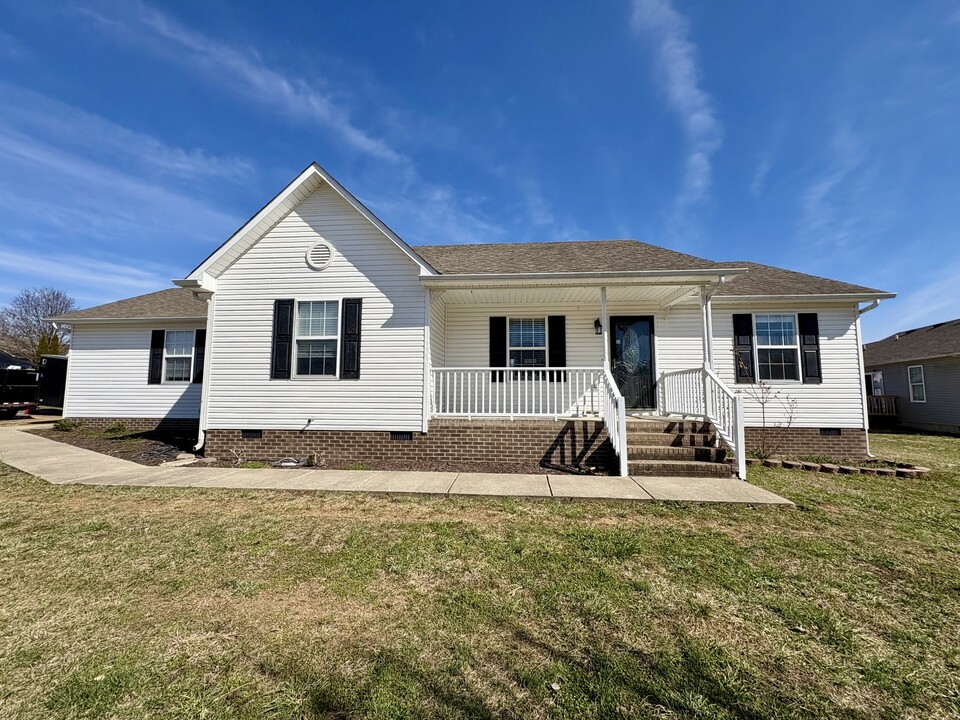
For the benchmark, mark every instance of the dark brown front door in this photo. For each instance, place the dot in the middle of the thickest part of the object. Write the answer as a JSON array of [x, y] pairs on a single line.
[[631, 359]]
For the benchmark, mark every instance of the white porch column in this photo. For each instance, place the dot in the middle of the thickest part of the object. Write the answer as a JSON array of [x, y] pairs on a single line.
[[427, 362], [706, 313], [606, 328]]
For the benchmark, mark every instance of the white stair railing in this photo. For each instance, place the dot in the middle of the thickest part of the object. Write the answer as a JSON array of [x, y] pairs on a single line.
[[615, 420], [700, 393]]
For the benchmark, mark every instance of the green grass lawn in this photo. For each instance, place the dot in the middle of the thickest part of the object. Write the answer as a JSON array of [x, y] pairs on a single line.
[[133, 603]]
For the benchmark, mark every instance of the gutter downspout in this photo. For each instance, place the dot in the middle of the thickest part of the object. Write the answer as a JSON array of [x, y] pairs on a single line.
[[208, 361], [863, 383]]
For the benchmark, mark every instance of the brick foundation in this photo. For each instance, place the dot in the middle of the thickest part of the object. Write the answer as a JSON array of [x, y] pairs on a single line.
[[167, 428], [548, 443], [850, 444]]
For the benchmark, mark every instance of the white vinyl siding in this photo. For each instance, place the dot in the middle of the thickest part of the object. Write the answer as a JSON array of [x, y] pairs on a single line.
[[836, 402], [438, 326], [108, 370], [677, 335], [367, 265]]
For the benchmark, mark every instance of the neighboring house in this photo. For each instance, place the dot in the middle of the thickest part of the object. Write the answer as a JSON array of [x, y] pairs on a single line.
[[915, 376], [315, 329]]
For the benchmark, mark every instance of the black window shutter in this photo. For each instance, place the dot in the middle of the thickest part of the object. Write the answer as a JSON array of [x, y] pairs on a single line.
[[350, 338], [810, 369], [282, 351], [157, 338], [498, 346], [199, 350], [557, 349], [743, 347]]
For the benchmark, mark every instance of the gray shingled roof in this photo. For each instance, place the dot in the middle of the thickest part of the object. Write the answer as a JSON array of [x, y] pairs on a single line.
[[549, 257], [769, 280], [544, 257], [940, 340], [172, 303], [619, 255]]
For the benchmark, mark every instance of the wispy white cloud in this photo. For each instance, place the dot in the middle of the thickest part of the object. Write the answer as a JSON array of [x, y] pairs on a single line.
[[930, 300], [422, 211], [84, 271], [677, 64], [760, 174], [245, 74], [77, 131], [827, 210]]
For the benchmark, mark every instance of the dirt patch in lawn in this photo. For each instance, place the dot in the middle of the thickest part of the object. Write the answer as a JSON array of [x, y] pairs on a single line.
[[144, 448]]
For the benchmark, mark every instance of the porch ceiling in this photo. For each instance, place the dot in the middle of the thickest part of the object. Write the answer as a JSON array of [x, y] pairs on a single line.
[[639, 294]]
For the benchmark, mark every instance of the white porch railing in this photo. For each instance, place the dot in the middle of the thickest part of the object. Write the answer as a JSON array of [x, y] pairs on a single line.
[[532, 392], [512, 392], [700, 393], [615, 419]]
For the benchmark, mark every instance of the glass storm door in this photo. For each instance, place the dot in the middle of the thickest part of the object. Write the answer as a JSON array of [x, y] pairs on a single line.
[[631, 359]]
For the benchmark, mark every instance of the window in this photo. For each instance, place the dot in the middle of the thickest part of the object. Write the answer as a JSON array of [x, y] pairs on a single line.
[[778, 353], [918, 391], [178, 356], [317, 326], [527, 342]]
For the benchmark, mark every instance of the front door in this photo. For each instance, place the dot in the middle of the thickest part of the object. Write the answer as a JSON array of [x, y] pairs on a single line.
[[631, 359]]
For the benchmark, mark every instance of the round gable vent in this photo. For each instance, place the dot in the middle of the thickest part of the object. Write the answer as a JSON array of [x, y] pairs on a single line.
[[320, 255]]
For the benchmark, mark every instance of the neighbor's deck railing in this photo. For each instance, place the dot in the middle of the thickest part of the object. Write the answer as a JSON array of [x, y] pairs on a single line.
[[700, 393], [882, 405], [571, 392]]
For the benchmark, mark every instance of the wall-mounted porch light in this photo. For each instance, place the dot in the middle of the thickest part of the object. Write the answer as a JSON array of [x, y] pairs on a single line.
[[597, 327]]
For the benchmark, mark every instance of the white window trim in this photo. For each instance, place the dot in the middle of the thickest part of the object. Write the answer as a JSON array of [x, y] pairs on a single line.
[[922, 383], [546, 340], [796, 347], [193, 351], [297, 338]]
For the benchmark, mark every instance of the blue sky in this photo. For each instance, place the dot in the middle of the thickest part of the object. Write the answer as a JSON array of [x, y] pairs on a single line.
[[818, 136]]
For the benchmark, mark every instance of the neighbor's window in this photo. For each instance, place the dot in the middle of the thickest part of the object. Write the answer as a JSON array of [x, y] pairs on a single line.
[[528, 342], [317, 325], [918, 391], [778, 352], [178, 356]]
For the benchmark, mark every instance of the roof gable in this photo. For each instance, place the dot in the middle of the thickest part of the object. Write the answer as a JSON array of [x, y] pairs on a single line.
[[938, 340], [270, 214]]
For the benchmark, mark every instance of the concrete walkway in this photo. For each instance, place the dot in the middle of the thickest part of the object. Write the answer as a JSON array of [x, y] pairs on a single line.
[[61, 464]]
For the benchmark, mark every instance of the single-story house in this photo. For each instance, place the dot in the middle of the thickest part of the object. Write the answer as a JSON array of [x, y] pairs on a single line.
[[315, 329], [914, 376]]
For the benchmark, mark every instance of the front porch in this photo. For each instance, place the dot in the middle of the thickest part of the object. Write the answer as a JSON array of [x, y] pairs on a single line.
[[639, 347]]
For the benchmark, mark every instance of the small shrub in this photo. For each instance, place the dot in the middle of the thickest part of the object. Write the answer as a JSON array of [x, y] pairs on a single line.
[[357, 466], [67, 425], [255, 464], [117, 428]]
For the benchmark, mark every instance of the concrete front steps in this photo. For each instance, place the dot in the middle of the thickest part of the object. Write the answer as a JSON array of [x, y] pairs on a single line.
[[660, 446]]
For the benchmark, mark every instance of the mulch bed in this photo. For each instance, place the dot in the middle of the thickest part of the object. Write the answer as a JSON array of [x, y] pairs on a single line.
[[142, 448]]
